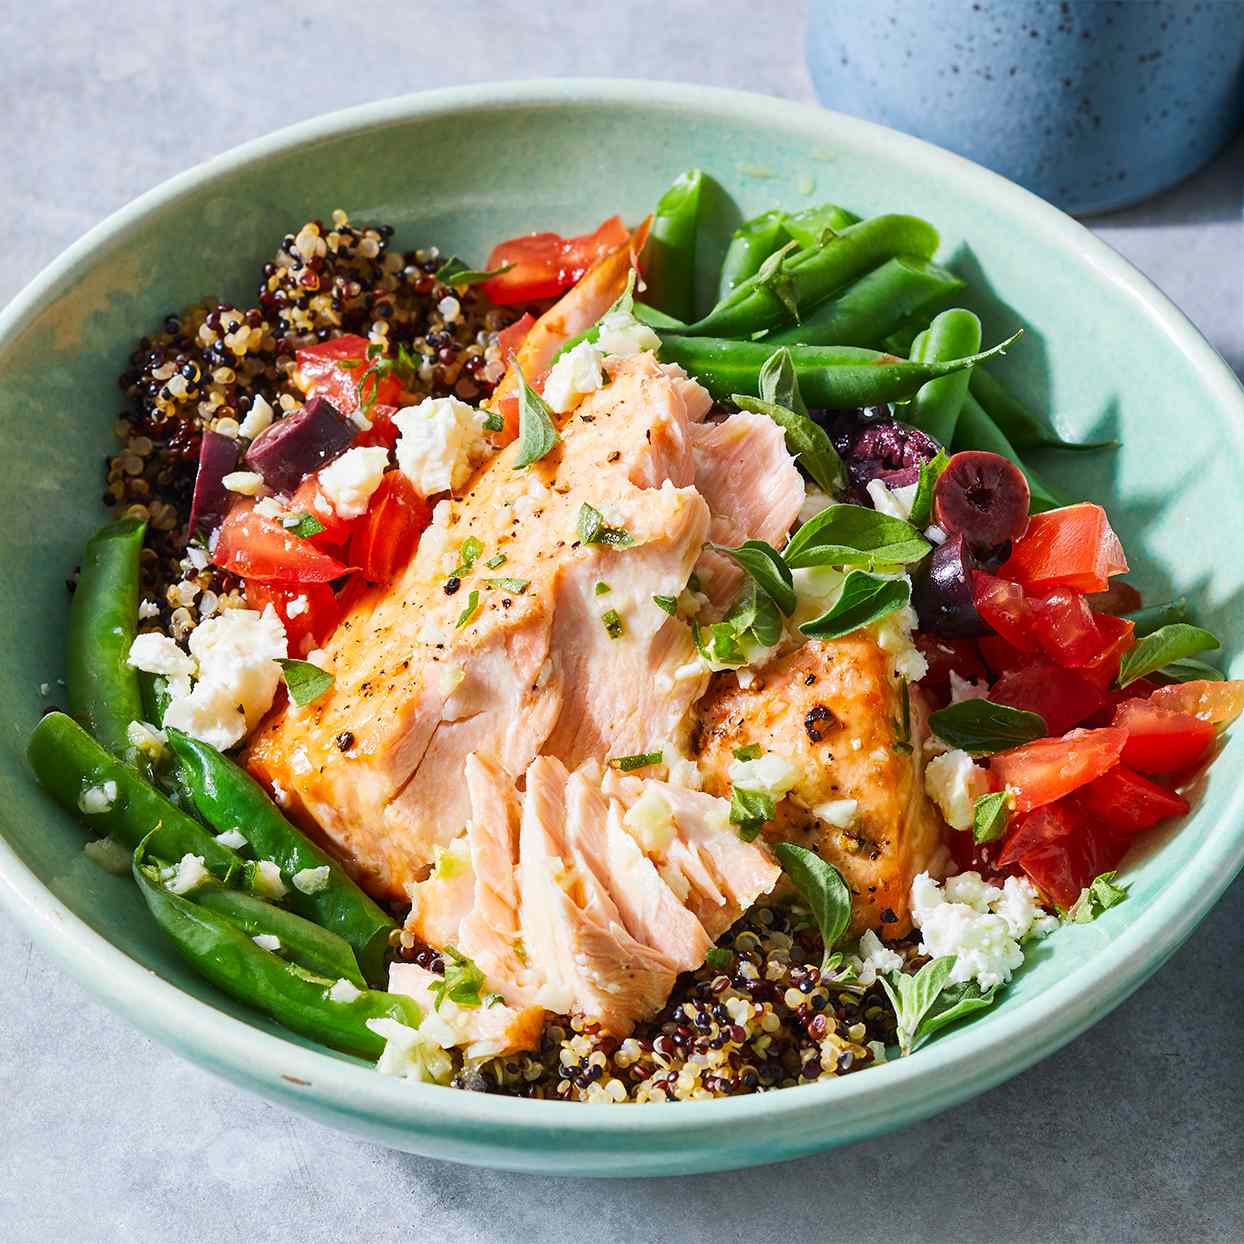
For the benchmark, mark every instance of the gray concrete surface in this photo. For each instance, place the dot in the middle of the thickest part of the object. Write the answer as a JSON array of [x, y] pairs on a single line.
[[1131, 1133]]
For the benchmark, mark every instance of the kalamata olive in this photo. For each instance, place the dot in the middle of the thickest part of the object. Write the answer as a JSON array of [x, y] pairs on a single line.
[[299, 443], [218, 455], [983, 497], [941, 591], [874, 445]]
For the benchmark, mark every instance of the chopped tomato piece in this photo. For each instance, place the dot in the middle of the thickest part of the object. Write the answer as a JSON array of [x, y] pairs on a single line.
[[544, 264], [388, 534], [257, 547], [1002, 604], [1062, 869], [1219, 702], [1072, 547], [1038, 773], [1041, 828], [509, 339], [1001, 656], [1116, 636], [383, 430], [947, 656], [334, 368], [1125, 802], [309, 611], [1063, 697], [1062, 624], [1162, 741], [309, 500]]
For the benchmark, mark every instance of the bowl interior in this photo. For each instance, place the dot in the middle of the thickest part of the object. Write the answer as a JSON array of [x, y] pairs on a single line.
[[462, 169]]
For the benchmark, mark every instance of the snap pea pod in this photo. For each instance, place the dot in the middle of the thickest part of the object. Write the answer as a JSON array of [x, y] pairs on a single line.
[[808, 276], [228, 797], [1023, 429], [975, 430], [867, 311], [830, 377], [935, 408], [155, 696], [1154, 617], [751, 244], [69, 763], [318, 950], [668, 262], [808, 226], [103, 690], [300, 1000]]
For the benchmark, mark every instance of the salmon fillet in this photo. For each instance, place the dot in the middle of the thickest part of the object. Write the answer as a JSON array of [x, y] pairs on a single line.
[[830, 708]]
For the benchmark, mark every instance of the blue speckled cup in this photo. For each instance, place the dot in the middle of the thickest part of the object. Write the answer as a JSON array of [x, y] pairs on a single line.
[[1091, 105]]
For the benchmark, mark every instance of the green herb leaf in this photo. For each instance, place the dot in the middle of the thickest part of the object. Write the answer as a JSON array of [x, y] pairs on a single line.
[[954, 1003], [641, 760], [306, 682], [537, 434], [612, 621], [304, 526], [865, 598], [462, 983], [467, 556], [1099, 895], [594, 530], [902, 727], [806, 441], [854, 535], [454, 272], [981, 727], [755, 616], [719, 958], [493, 999], [823, 889], [718, 643], [752, 751], [493, 421], [922, 502], [1153, 617], [498, 560], [518, 586], [668, 603], [472, 607], [779, 384], [749, 810], [767, 569], [602, 588], [1189, 669], [990, 814], [912, 997], [773, 277], [1167, 644]]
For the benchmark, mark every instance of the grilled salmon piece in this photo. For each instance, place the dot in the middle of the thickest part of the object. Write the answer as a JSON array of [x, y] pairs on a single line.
[[831, 708], [519, 659]]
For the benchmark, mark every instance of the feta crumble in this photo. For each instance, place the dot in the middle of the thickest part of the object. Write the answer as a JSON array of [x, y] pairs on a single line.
[[344, 991], [814, 501], [154, 653], [98, 799], [413, 1054], [840, 813], [576, 374], [896, 502], [954, 782], [622, 334], [147, 609], [893, 635], [441, 441], [348, 482], [966, 689], [650, 820], [267, 941], [266, 880], [769, 774], [145, 738], [311, 880], [231, 838], [190, 873]]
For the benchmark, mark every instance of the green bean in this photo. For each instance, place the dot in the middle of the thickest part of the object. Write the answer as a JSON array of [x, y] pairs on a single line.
[[867, 311], [753, 242], [800, 281], [104, 694], [656, 319], [318, 950], [155, 696], [830, 377], [300, 1000], [808, 227], [69, 764], [903, 336], [935, 409], [668, 262], [975, 430], [229, 798], [1154, 617], [1023, 429]]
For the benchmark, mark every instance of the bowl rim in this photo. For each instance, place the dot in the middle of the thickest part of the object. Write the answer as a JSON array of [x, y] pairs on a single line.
[[945, 1073]]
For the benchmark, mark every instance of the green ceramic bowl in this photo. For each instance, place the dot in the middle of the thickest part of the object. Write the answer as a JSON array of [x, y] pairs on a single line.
[[462, 168]]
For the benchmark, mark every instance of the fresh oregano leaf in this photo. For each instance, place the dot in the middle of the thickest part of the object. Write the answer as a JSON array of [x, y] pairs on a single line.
[[981, 727], [990, 814], [779, 383], [854, 535], [537, 433], [1099, 895], [1170, 643], [462, 983], [822, 888], [749, 810], [305, 682], [913, 996], [767, 569], [1189, 669], [864, 598], [594, 530], [954, 1003], [922, 502], [454, 272], [806, 441]]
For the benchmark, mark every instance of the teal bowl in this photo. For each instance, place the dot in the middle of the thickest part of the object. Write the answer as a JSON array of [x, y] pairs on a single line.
[[1103, 349]]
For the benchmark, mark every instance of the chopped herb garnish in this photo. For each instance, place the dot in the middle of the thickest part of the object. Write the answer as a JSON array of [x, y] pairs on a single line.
[[304, 526], [719, 958], [990, 814], [493, 562], [493, 999], [752, 751], [613, 624], [639, 761], [469, 612], [823, 889], [922, 502], [668, 603], [864, 598], [749, 810], [493, 421], [518, 586], [602, 588], [982, 727], [1170, 643], [915, 996], [1099, 895], [467, 557], [305, 682], [454, 272], [767, 569], [594, 530], [537, 433], [461, 983], [902, 727]]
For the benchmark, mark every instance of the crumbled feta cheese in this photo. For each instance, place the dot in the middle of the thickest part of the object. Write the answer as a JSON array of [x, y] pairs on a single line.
[[44, 688], [1020, 906], [413, 1054], [814, 501], [621, 333], [348, 482], [311, 880], [344, 991], [266, 880], [441, 441], [954, 782], [839, 813], [877, 956], [297, 607], [893, 635], [267, 941], [248, 483], [109, 855], [896, 502], [270, 507], [935, 535], [576, 374], [154, 653], [145, 738], [966, 689], [769, 774], [258, 418], [190, 873], [197, 558], [98, 799], [147, 609], [232, 838], [320, 659], [650, 820], [972, 890]]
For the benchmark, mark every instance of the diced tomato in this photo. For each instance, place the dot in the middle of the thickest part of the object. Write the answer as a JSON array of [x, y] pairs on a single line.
[[1125, 802], [309, 611], [388, 534], [947, 656], [544, 264], [511, 338], [1072, 547], [1063, 626], [334, 368], [1162, 741], [1001, 656], [1041, 828], [1002, 604], [383, 430], [1116, 636], [1040, 772], [1063, 697], [1062, 869], [257, 547], [308, 499], [1219, 702]]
